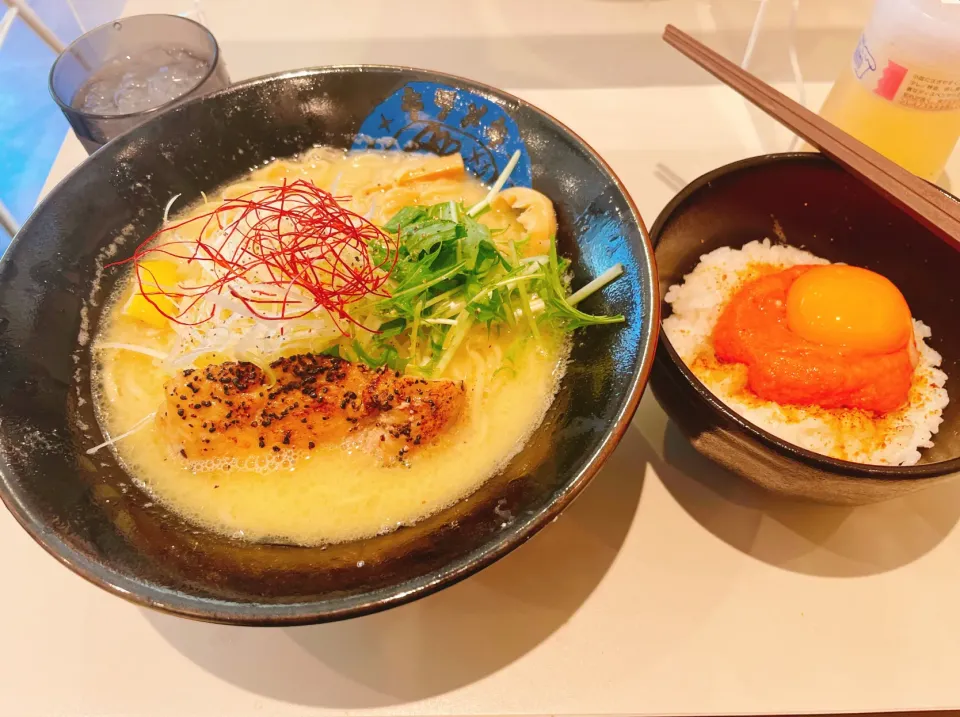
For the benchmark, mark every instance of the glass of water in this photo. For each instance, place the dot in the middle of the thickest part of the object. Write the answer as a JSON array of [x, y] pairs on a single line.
[[123, 73]]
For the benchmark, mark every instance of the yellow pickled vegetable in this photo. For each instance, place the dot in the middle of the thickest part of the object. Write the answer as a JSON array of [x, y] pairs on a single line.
[[154, 276], [450, 166]]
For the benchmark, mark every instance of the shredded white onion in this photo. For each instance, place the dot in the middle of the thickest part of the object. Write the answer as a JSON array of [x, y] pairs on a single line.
[[166, 209], [153, 353], [136, 427], [238, 329]]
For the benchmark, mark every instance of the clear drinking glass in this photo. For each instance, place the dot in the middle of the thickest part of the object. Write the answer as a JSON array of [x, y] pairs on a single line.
[[123, 73]]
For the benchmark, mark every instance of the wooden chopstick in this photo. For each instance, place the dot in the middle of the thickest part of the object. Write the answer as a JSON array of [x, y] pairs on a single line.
[[923, 201]]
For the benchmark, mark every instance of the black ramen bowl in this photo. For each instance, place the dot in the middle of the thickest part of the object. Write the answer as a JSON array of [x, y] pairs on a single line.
[[89, 513], [806, 201]]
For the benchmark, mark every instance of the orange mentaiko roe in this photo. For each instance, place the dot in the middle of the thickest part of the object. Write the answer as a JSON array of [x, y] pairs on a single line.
[[787, 369]]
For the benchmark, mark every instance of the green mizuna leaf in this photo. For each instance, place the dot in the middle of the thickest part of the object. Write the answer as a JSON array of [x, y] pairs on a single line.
[[449, 276]]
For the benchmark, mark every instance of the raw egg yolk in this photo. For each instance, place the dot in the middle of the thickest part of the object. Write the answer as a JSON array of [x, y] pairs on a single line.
[[838, 305]]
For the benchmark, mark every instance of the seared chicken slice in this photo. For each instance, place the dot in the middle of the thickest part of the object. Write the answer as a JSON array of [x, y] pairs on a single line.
[[236, 408]]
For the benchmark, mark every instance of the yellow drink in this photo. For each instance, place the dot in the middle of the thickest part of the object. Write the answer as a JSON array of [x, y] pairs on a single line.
[[900, 94], [918, 140]]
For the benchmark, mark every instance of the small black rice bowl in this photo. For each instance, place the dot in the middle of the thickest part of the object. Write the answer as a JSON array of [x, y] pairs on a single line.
[[92, 516], [813, 204]]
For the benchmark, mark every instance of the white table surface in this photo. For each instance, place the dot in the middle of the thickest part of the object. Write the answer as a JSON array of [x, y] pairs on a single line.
[[670, 586]]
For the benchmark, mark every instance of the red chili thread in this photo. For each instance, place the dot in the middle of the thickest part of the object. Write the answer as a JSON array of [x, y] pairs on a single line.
[[295, 235]]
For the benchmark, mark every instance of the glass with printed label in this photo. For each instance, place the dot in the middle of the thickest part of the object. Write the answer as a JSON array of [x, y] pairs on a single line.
[[900, 94]]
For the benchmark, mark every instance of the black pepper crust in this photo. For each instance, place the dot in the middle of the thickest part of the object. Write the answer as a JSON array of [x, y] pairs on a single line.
[[303, 400]]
